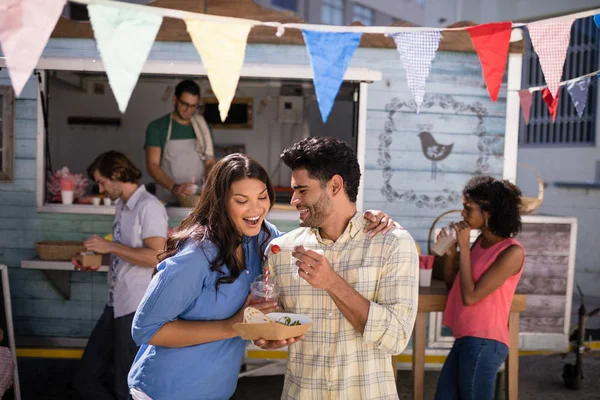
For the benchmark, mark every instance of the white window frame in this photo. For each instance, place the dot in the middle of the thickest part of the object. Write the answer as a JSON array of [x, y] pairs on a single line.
[[265, 71]]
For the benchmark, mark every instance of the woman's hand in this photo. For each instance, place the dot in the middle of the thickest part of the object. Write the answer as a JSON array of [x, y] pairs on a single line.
[[463, 235], [265, 308]]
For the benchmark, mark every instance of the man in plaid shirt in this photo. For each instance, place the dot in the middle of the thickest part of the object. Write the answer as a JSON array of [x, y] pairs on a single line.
[[360, 291]]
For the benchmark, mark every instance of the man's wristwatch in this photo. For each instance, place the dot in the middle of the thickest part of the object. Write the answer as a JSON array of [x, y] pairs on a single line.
[[174, 187]]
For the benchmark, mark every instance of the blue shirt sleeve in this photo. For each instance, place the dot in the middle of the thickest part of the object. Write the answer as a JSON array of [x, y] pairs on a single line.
[[175, 287]]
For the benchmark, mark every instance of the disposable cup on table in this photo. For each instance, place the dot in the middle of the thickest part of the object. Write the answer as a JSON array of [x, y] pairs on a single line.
[[67, 196]]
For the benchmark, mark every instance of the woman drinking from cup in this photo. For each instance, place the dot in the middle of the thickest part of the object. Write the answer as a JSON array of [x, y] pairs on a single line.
[[482, 289], [184, 324]]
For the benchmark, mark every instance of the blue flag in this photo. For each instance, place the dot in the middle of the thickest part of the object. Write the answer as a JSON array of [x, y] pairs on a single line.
[[330, 53], [597, 20]]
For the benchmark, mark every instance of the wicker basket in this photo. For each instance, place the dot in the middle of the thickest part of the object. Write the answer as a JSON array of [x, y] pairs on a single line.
[[187, 201], [60, 250]]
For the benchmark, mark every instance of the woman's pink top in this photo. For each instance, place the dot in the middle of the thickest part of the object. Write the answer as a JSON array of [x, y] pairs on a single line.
[[488, 318]]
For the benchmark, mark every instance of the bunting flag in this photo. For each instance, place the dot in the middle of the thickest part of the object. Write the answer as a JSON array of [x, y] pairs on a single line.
[[11, 17], [491, 41], [417, 50], [579, 92], [551, 102], [597, 20], [550, 41], [222, 47], [124, 39], [330, 53], [23, 44], [525, 96]]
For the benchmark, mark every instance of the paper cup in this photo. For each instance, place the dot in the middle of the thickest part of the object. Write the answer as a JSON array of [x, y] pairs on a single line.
[[107, 201], [67, 196], [425, 277], [96, 201]]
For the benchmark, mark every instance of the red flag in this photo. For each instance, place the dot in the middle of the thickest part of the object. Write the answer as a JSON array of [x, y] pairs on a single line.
[[552, 102], [491, 42], [525, 96]]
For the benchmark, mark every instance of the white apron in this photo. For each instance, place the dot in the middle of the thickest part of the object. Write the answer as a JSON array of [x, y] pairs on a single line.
[[180, 161]]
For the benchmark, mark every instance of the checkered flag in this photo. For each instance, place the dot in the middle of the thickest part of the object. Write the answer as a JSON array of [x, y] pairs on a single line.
[[550, 41], [417, 50]]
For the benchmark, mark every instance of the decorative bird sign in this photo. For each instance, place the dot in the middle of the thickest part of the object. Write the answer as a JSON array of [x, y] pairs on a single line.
[[434, 151]]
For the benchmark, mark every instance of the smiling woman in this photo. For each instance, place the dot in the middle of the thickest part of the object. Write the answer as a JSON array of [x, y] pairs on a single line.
[[201, 287]]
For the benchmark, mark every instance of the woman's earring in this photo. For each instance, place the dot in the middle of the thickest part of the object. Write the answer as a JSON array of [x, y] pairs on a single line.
[[486, 222]]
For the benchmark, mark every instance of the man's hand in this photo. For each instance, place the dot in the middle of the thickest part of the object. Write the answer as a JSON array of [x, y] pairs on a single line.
[[79, 267], [314, 268], [98, 245], [380, 222], [276, 344]]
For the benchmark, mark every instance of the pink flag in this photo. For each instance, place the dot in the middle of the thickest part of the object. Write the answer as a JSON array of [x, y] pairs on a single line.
[[550, 41], [11, 15], [525, 96], [23, 46]]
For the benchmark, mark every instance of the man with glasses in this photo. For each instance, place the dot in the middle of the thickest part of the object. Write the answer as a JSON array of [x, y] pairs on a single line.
[[179, 146]]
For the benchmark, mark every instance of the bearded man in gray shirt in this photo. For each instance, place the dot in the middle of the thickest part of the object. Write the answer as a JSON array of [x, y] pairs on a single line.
[[139, 235]]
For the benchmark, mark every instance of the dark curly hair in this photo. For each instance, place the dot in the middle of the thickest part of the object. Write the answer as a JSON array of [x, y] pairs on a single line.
[[501, 199], [324, 157]]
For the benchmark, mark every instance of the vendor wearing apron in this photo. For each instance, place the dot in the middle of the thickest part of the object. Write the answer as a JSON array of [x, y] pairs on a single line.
[[179, 146]]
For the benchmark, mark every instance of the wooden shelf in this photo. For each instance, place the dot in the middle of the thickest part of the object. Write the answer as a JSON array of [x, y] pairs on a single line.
[[58, 273], [53, 265]]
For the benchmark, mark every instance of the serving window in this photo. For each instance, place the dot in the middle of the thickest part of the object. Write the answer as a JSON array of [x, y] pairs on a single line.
[[266, 116]]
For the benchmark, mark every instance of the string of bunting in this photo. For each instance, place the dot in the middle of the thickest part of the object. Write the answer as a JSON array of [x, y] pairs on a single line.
[[125, 33], [577, 88]]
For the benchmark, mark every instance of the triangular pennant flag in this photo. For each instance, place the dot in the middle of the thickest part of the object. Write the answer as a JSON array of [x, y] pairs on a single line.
[[24, 45], [330, 53], [492, 42], [222, 47], [525, 96], [11, 17], [124, 38], [597, 20], [579, 93], [417, 50], [551, 102], [550, 41]]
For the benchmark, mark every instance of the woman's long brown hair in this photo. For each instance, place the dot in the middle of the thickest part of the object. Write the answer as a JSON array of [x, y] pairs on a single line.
[[209, 220]]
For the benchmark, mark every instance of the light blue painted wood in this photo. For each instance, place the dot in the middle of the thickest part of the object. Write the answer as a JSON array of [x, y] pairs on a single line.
[[25, 149], [398, 176]]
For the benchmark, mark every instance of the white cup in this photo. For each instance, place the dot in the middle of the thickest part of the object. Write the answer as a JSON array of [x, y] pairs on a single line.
[[96, 201], [425, 277], [443, 244], [67, 196], [106, 201]]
